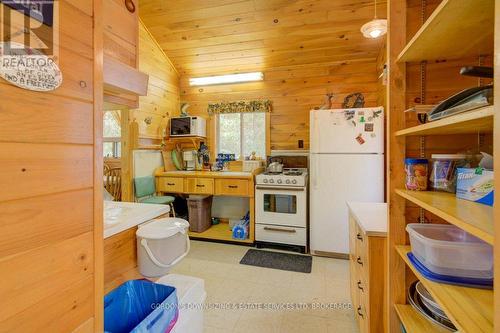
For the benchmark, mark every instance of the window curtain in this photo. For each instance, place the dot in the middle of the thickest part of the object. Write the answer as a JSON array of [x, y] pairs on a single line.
[[240, 107]]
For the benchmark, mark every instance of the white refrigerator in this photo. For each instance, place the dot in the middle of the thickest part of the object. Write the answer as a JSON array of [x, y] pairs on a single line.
[[346, 164]]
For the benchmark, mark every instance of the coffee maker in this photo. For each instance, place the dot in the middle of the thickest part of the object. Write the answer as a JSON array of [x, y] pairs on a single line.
[[190, 158]]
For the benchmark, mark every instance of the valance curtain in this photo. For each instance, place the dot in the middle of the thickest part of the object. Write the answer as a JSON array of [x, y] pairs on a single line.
[[240, 107]]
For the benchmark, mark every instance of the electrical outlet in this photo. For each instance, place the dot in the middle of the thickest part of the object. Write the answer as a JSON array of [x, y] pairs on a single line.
[[301, 143]]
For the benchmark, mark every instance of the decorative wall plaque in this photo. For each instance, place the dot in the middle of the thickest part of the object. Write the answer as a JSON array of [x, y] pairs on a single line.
[[28, 68]]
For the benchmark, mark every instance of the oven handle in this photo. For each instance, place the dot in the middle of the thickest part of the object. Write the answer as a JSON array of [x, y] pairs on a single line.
[[292, 231], [296, 189]]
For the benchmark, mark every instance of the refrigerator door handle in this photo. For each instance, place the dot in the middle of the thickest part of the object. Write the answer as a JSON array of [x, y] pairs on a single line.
[[316, 171], [316, 132]]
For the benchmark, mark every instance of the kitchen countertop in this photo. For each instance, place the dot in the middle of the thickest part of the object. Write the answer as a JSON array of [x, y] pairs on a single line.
[[120, 216], [206, 174], [371, 217]]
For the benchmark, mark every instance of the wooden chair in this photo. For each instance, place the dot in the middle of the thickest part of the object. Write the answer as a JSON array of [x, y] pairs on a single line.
[[113, 182]]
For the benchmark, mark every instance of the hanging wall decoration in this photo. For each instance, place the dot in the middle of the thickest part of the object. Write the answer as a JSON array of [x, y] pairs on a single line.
[[240, 107], [356, 100], [28, 68]]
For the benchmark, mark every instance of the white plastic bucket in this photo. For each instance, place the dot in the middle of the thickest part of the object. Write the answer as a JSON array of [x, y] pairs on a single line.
[[161, 244]]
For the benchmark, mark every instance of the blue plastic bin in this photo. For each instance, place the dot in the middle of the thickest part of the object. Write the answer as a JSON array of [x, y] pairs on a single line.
[[140, 306]]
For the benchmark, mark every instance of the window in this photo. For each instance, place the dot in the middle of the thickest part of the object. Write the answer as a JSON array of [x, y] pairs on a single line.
[[112, 134], [241, 134]]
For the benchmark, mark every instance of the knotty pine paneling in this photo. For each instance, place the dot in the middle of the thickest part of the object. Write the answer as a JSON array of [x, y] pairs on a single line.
[[33, 222], [61, 312], [221, 36], [47, 250], [162, 100], [294, 92]]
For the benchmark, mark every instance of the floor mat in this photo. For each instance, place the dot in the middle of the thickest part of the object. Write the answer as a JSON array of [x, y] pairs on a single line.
[[278, 260]]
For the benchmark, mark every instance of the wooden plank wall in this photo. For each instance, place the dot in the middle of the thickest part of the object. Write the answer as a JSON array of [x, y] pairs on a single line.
[[294, 91], [48, 219], [120, 43], [162, 100]]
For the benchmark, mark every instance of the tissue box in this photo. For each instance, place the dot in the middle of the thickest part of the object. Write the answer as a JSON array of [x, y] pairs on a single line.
[[475, 185]]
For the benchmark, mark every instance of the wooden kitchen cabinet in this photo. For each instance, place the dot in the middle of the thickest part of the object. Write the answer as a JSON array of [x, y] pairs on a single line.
[[232, 187], [232, 184], [199, 185], [367, 240]]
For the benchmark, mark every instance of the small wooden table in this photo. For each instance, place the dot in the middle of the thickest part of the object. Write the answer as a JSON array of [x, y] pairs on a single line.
[[227, 183]]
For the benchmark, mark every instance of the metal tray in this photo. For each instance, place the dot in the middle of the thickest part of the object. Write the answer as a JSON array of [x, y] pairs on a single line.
[[418, 305]]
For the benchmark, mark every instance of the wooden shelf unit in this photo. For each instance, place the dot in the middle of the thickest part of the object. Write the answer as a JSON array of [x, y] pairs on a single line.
[[470, 309], [192, 140], [477, 121], [415, 322], [451, 32], [472, 217], [455, 30]]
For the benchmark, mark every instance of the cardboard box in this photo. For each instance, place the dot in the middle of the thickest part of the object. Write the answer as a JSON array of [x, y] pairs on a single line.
[[475, 185]]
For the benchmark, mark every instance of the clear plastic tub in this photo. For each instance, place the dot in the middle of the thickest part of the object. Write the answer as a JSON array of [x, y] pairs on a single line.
[[449, 250], [444, 171]]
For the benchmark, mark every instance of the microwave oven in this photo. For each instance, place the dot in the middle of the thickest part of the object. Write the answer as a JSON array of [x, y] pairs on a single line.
[[188, 126]]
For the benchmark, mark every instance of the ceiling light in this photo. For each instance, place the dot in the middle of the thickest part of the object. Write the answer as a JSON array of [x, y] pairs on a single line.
[[376, 27], [226, 79]]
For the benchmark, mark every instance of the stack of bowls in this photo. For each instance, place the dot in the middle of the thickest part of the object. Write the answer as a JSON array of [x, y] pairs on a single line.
[[424, 303]]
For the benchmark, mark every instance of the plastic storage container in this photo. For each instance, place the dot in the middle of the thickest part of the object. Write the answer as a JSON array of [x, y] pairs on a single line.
[[161, 244], [139, 306], [191, 294], [200, 212], [444, 171], [449, 250], [416, 174]]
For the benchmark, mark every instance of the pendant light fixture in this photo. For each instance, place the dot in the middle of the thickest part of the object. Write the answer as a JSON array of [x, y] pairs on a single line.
[[376, 27]]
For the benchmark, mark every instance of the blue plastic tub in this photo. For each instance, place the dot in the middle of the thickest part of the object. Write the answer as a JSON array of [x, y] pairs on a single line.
[[140, 306]]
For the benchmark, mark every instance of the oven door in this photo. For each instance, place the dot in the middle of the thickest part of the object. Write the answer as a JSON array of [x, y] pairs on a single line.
[[281, 206]]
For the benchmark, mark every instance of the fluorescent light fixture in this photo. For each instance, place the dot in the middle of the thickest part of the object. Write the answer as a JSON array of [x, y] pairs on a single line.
[[226, 79]]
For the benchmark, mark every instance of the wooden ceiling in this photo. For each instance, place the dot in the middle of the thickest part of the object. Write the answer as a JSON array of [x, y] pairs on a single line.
[[209, 37]]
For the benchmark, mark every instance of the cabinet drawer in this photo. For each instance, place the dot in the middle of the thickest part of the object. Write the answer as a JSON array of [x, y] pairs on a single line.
[[279, 234], [361, 263], [170, 185], [199, 185], [236, 187], [362, 313]]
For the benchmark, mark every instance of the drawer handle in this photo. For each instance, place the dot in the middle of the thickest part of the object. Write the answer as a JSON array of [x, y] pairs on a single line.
[[359, 312], [292, 231], [359, 286], [233, 186], [170, 184], [359, 261], [358, 236], [200, 185]]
